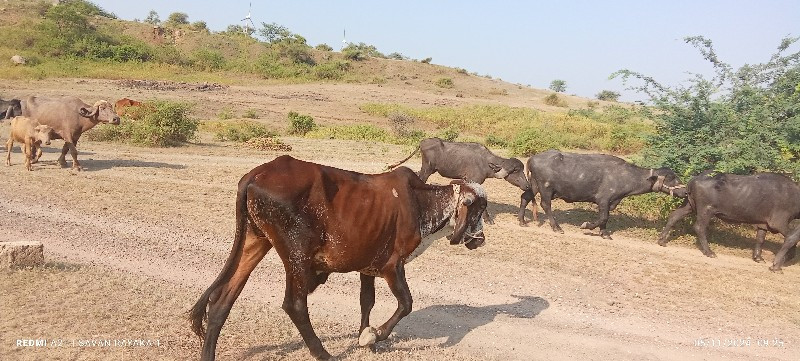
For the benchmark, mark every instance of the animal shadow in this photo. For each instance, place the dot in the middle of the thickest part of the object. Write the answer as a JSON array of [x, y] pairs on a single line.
[[456, 321], [101, 164]]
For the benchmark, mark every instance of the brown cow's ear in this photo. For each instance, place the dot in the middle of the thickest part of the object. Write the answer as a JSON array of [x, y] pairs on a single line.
[[85, 112], [495, 168]]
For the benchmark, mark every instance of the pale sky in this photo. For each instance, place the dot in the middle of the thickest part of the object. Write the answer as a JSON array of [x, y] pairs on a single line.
[[525, 42]]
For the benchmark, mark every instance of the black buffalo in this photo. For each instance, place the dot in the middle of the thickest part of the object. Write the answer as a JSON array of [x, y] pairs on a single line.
[[598, 178], [767, 200], [10, 108], [471, 162]]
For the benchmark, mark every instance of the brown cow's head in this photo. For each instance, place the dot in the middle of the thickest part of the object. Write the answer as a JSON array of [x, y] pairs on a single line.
[[42, 133], [102, 112], [666, 181], [470, 202]]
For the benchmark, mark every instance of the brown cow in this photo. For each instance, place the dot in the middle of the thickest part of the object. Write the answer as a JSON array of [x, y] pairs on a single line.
[[321, 220], [120, 105], [31, 134], [69, 117]]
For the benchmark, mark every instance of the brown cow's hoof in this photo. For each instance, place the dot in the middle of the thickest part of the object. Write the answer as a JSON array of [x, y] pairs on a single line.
[[523, 224], [662, 243], [368, 337], [710, 254], [759, 259], [775, 269], [605, 235]]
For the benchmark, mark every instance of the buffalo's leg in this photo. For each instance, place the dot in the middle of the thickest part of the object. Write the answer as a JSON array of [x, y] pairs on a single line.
[[74, 152], [295, 303], [701, 228], [367, 299], [602, 210], [782, 227], [525, 198], [9, 145], [674, 217], [221, 300], [546, 195], [761, 234], [62, 159], [789, 243]]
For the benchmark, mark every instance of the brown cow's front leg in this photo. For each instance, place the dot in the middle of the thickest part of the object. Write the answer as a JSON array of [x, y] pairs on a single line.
[[36, 153], [396, 279], [701, 228], [367, 299], [295, 303], [547, 195], [602, 220]]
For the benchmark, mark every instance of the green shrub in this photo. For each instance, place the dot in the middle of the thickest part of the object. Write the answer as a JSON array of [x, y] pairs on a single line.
[[200, 26], [225, 113], [160, 124], [555, 101], [448, 134], [331, 70], [396, 56], [495, 141], [323, 47], [401, 124], [208, 60], [558, 86], [533, 140], [608, 95], [650, 206], [446, 83], [426, 60], [239, 131], [178, 18], [300, 124], [366, 132], [250, 114]]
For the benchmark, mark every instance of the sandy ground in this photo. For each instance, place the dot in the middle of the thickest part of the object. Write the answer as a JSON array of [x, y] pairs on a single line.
[[162, 220]]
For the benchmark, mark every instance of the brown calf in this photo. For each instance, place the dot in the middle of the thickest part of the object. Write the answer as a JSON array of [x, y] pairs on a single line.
[[31, 134]]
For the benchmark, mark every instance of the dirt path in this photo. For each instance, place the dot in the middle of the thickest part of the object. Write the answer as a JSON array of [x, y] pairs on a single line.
[[529, 294]]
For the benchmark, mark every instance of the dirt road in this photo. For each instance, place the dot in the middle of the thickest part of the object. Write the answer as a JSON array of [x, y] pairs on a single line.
[[529, 294]]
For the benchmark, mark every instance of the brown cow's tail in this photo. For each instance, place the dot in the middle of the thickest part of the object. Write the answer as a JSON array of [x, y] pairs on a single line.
[[393, 166], [198, 312]]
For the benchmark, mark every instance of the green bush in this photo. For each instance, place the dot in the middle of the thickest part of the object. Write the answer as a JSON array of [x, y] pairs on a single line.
[[178, 18], [448, 134], [250, 114], [558, 86], [608, 95], [495, 141], [426, 60], [740, 121], [366, 132], [160, 124], [208, 60], [323, 47], [650, 206], [239, 131], [225, 113], [331, 70], [555, 101], [300, 124], [446, 83]]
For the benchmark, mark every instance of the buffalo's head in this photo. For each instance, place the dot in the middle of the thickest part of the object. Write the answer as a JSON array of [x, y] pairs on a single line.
[[470, 202], [666, 181], [101, 111], [42, 133], [513, 171]]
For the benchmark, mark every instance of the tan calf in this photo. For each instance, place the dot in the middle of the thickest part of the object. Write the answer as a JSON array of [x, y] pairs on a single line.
[[30, 133]]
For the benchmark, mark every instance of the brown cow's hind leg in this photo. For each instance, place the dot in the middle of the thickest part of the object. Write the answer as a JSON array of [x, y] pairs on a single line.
[[9, 145], [295, 303], [760, 235], [222, 298]]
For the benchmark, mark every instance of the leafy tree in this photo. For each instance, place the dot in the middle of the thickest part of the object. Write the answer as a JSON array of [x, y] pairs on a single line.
[[558, 86], [739, 121], [152, 18], [200, 26], [608, 95], [273, 33], [178, 18]]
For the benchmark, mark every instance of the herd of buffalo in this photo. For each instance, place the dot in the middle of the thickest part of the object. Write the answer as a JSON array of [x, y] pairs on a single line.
[[322, 220]]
